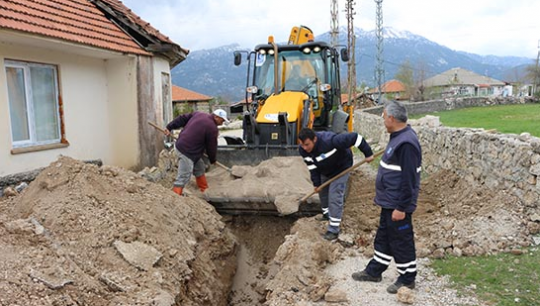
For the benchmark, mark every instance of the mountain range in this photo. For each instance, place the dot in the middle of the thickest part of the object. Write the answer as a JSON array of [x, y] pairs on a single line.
[[212, 72]]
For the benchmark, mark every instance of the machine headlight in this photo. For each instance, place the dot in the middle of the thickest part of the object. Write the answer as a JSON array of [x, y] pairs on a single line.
[[252, 89], [325, 87], [317, 49], [306, 50], [262, 51]]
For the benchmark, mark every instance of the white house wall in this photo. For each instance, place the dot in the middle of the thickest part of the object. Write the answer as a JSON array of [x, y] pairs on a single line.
[[122, 110], [100, 109], [161, 66]]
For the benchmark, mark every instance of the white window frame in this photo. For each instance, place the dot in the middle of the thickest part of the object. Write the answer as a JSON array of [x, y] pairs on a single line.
[[25, 66]]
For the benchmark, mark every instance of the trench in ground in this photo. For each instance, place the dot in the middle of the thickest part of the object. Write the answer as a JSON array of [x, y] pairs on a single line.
[[259, 238]]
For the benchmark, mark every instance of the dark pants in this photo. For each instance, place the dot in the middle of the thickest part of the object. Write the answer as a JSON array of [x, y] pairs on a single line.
[[394, 239]]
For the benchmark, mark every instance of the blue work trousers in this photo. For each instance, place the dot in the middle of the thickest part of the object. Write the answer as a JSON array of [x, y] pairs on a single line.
[[332, 200], [394, 239]]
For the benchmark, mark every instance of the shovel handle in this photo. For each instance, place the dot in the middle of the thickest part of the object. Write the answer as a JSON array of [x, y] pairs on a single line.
[[160, 129], [342, 173], [221, 165], [163, 131]]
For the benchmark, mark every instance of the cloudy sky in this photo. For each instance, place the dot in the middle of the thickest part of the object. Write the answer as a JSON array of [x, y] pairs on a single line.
[[497, 27]]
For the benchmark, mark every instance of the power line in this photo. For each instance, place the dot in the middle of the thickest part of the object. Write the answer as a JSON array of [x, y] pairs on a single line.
[[334, 24], [351, 46], [379, 69]]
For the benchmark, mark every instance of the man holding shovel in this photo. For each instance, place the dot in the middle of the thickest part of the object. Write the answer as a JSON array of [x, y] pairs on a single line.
[[199, 134], [326, 155]]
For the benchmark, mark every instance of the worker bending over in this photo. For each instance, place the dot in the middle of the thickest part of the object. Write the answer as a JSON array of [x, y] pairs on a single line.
[[199, 134], [327, 154]]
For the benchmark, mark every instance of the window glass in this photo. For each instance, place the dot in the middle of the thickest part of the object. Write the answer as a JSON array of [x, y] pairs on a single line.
[[44, 103], [17, 104], [33, 103], [295, 67]]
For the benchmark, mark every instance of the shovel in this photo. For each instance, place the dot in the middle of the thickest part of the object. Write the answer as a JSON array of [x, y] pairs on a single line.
[[163, 131], [342, 173]]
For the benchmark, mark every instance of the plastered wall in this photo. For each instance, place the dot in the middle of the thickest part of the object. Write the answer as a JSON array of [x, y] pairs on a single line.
[[100, 109]]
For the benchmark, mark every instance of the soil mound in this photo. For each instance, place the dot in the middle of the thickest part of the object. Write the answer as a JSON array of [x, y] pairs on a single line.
[[85, 235], [300, 262], [453, 217]]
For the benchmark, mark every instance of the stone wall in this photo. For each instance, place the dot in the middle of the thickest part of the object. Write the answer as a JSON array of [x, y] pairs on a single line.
[[454, 103], [499, 161]]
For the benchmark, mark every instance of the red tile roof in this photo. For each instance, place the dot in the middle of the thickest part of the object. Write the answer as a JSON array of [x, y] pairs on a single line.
[[345, 97], [129, 14], [389, 87], [180, 94], [78, 21], [86, 22]]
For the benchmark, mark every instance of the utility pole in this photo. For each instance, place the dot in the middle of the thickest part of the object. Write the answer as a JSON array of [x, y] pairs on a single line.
[[351, 42], [535, 85], [334, 23], [379, 70]]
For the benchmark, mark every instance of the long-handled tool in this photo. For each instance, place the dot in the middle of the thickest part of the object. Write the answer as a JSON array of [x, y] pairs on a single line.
[[342, 173], [163, 131]]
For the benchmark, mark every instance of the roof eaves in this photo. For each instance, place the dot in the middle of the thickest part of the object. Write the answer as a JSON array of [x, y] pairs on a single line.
[[173, 52]]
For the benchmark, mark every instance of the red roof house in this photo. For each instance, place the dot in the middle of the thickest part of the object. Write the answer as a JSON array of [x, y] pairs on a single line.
[[99, 73], [185, 100], [393, 89]]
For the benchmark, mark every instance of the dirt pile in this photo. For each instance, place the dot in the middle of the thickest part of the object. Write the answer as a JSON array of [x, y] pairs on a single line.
[[87, 235], [300, 262], [84, 235], [453, 217]]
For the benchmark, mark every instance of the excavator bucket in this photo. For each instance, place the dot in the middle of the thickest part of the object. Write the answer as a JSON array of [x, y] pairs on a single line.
[[260, 207], [241, 155], [272, 187]]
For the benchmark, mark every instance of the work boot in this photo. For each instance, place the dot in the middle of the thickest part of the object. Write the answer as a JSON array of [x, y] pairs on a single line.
[[178, 190], [363, 276], [330, 236], [393, 289], [202, 183], [323, 217]]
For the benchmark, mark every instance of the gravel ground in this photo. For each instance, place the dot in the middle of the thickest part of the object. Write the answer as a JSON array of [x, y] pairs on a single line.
[[431, 290]]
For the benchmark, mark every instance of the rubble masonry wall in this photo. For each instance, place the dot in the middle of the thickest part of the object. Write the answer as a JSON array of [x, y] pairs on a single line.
[[500, 161]]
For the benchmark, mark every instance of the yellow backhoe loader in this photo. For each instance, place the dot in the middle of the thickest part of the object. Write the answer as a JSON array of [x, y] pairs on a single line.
[[289, 86]]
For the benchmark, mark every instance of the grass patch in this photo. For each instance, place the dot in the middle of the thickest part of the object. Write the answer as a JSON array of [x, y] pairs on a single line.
[[500, 280], [376, 161], [514, 119], [374, 164]]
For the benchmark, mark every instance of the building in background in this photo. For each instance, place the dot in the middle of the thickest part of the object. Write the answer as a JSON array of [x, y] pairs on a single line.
[[462, 82], [186, 101], [391, 90]]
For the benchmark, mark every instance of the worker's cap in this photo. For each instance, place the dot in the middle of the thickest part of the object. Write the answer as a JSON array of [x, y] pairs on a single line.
[[222, 114]]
